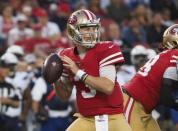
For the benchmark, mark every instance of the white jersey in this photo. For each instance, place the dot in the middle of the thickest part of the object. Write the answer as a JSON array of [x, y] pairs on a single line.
[[125, 74], [20, 83]]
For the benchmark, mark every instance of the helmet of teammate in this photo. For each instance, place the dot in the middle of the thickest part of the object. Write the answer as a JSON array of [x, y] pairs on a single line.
[[170, 37], [138, 54], [80, 19]]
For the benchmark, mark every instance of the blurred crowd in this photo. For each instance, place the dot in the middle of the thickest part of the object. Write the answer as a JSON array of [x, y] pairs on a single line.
[[31, 29]]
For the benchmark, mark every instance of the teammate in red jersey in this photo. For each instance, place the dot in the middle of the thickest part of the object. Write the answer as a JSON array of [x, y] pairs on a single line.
[[91, 66], [153, 84]]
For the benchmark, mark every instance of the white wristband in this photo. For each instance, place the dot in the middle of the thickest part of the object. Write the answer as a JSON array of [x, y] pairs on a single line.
[[79, 74]]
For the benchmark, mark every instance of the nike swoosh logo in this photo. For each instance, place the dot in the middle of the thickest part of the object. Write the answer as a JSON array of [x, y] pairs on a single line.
[[111, 46]]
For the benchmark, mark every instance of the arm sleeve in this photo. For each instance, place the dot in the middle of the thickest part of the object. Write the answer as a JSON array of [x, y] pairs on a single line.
[[171, 73], [108, 72]]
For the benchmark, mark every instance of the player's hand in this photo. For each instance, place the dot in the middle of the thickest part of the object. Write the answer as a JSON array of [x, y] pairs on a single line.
[[70, 64]]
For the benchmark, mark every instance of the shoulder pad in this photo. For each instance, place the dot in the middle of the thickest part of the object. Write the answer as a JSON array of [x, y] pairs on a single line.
[[105, 45]]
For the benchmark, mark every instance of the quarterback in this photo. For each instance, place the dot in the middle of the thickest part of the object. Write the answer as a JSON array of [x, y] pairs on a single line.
[[91, 66], [154, 83]]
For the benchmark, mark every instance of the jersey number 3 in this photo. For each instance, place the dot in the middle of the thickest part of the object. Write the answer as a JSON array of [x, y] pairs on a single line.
[[90, 94], [147, 67]]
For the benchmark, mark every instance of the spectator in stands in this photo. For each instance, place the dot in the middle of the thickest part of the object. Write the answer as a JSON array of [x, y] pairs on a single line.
[[16, 5], [114, 33], [104, 4], [135, 31], [118, 11], [143, 15], [132, 4], [63, 12], [59, 14], [50, 30], [7, 21], [166, 15], [63, 43], [160, 5], [36, 44], [27, 10], [94, 6], [20, 32], [80, 5], [155, 30]]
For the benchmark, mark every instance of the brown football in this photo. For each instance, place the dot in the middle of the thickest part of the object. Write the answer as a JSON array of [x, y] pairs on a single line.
[[52, 68]]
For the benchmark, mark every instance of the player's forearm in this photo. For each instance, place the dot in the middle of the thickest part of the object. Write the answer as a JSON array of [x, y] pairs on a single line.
[[63, 91], [26, 104], [35, 106], [101, 84], [13, 103]]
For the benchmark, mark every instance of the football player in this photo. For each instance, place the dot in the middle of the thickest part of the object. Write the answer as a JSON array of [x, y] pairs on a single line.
[[138, 56], [154, 83], [91, 66]]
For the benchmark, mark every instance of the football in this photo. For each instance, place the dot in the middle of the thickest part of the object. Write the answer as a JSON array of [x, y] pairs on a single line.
[[52, 68]]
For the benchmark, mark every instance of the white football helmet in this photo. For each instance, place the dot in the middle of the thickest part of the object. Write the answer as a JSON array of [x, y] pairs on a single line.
[[138, 53], [83, 18]]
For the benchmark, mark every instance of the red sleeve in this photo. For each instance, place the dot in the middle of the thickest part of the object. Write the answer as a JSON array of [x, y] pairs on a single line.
[[109, 54], [174, 58]]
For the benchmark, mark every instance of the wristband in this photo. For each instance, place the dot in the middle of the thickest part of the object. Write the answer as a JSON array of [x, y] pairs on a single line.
[[85, 77], [80, 74]]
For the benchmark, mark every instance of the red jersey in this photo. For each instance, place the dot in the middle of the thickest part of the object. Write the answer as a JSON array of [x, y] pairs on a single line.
[[90, 101], [145, 85], [30, 44]]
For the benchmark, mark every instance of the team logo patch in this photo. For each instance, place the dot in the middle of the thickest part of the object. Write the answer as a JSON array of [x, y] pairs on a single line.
[[174, 30], [72, 20], [54, 63]]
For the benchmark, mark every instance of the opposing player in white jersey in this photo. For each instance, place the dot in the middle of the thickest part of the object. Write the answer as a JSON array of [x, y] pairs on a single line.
[[139, 56]]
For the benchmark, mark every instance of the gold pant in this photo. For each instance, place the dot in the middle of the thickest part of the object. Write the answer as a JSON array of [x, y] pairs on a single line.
[[115, 123], [136, 116]]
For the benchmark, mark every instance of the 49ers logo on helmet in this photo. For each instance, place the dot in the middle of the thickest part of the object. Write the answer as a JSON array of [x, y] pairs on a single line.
[[174, 30], [72, 20]]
